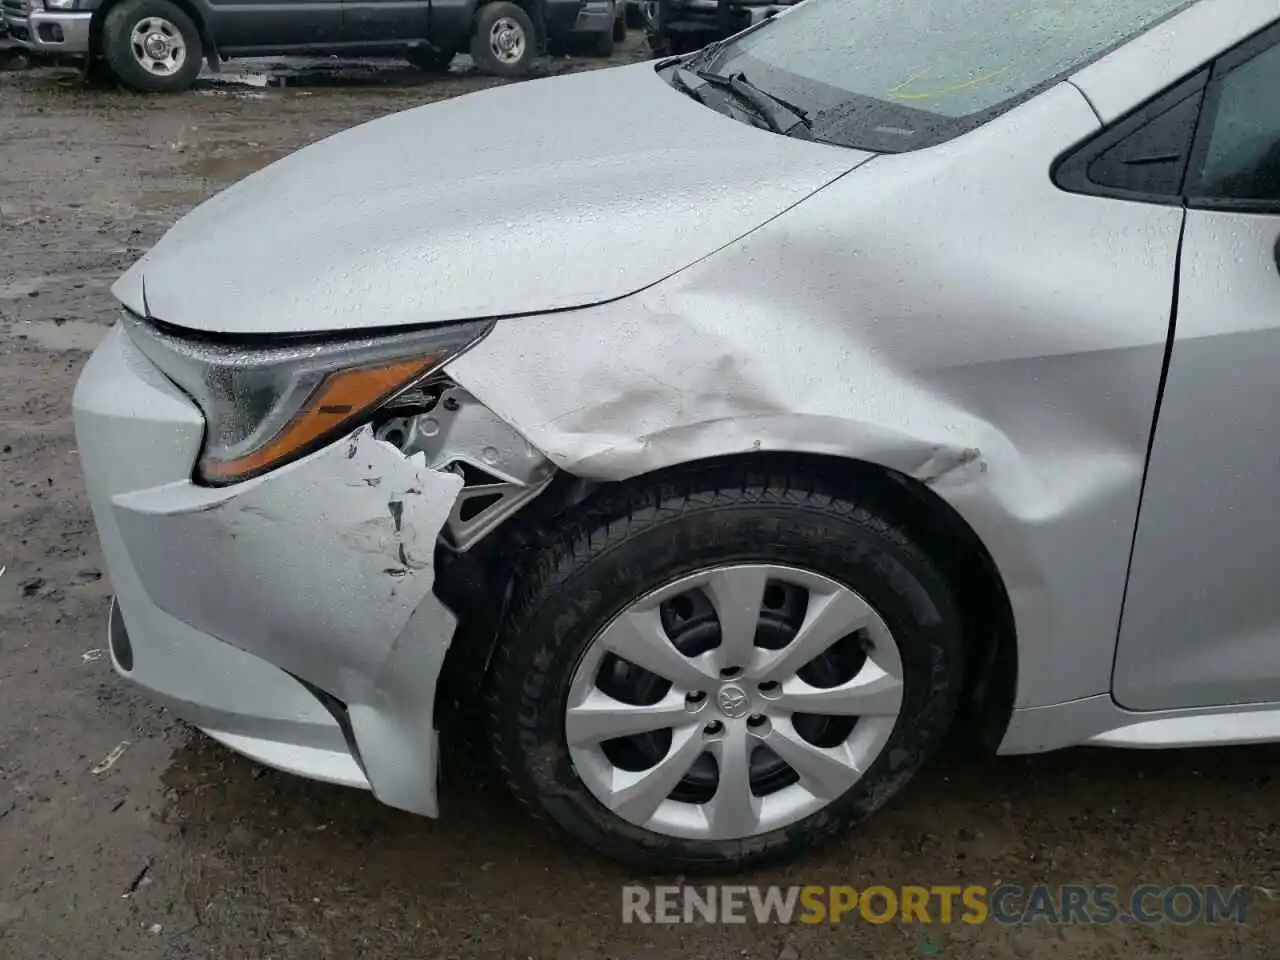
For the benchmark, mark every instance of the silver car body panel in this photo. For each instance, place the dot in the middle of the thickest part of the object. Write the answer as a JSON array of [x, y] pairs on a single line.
[[1019, 382], [208, 577], [1126, 78], [1202, 618], [1098, 721], [478, 207]]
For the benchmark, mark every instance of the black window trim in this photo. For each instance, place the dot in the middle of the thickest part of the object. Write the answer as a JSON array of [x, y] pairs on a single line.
[[1223, 66], [1070, 172]]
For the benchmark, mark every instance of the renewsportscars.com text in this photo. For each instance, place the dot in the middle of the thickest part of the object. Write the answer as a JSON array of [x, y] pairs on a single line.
[[971, 904]]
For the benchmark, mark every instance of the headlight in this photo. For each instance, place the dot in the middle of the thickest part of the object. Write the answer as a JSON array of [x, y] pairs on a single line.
[[266, 406], [57, 4]]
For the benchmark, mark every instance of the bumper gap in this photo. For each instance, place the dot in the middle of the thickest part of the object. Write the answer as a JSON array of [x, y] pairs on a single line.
[[338, 710]]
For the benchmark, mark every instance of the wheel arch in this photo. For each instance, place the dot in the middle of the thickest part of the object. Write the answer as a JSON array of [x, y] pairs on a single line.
[[473, 581]]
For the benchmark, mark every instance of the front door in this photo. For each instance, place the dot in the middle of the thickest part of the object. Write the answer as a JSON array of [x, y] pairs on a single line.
[[1201, 623], [380, 21], [241, 25]]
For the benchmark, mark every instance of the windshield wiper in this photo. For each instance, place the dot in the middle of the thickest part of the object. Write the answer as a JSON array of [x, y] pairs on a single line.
[[781, 116], [680, 80]]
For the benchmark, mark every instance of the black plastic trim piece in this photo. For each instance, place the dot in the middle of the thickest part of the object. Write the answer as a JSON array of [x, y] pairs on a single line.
[[1074, 170]]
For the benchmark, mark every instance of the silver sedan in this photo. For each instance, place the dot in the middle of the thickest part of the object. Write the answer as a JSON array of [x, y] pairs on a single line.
[[925, 380]]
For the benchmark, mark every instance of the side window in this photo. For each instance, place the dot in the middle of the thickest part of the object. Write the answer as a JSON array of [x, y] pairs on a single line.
[[1236, 162]]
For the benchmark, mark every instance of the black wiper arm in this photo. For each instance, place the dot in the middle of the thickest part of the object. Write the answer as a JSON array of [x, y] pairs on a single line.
[[679, 80], [782, 117]]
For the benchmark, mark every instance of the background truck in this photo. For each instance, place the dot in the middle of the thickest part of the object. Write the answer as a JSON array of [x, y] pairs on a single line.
[[159, 45]]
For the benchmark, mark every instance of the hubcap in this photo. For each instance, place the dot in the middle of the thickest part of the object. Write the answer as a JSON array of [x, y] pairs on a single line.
[[507, 40], [158, 46], [734, 701]]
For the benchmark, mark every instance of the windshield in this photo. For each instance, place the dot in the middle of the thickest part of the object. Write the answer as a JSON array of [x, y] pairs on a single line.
[[892, 76]]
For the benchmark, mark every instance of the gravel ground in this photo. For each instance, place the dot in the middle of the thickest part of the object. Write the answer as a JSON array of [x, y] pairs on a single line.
[[181, 849]]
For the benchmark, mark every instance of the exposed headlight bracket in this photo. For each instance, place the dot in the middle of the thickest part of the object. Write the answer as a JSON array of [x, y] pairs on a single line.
[[501, 471]]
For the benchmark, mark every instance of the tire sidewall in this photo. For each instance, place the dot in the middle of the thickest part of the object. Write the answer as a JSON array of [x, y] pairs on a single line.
[[117, 29], [483, 56], [556, 628], [604, 43]]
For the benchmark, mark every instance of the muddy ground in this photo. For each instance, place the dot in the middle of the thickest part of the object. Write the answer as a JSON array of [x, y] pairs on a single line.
[[181, 849]]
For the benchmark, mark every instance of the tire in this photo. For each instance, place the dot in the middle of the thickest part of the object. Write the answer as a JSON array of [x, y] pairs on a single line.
[[429, 60], [620, 23], [641, 535], [135, 65], [602, 44], [659, 43], [492, 19]]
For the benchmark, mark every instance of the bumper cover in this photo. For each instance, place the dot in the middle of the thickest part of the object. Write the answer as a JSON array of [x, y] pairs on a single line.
[[52, 31], [321, 571]]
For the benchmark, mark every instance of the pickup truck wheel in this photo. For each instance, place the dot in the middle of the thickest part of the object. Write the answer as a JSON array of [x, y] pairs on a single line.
[[504, 42], [603, 44], [430, 61], [152, 46], [659, 45]]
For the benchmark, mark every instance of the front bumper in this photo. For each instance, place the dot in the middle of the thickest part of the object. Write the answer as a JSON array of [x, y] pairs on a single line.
[[291, 616], [51, 31]]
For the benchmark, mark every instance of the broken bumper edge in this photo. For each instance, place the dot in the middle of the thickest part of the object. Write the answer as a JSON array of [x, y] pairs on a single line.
[[263, 611]]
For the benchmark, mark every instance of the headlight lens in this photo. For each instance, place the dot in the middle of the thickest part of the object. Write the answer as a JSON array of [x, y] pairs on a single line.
[[267, 406], [58, 4]]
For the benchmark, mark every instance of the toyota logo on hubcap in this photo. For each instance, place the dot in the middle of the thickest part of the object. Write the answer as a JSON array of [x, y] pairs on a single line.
[[733, 701]]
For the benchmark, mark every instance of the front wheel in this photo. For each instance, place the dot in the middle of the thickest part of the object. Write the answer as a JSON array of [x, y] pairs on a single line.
[[504, 42], [152, 46], [725, 667]]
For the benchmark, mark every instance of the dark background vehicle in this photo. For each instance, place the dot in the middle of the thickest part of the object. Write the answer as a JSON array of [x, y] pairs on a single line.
[[159, 45], [681, 26]]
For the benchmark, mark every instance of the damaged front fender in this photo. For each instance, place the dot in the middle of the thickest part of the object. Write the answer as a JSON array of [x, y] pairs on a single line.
[[912, 315]]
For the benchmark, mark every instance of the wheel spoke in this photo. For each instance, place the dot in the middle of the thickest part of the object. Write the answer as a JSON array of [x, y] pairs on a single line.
[[637, 796], [707, 710], [871, 693], [736, 593], [734, 812], [829, 617], [638, 637], [601, 717], [826, 772]]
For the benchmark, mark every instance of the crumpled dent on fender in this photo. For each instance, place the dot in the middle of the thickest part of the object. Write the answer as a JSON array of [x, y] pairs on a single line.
[[338, 549], [897, 317]]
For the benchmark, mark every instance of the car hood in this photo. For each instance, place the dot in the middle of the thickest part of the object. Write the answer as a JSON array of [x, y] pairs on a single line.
[[523, 198]]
